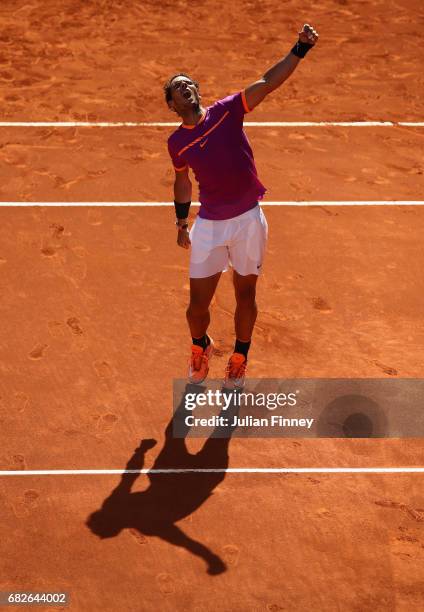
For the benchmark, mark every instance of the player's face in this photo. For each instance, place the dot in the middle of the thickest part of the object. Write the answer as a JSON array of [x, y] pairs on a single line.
[[184, 94]]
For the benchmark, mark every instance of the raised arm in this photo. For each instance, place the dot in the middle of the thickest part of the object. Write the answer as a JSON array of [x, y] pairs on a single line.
[[280, 72]]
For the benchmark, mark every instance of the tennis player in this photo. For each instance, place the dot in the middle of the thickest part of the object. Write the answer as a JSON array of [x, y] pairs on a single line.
[[230, 228]]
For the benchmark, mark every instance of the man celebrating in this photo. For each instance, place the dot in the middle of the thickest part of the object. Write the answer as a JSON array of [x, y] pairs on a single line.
[[230, 227]]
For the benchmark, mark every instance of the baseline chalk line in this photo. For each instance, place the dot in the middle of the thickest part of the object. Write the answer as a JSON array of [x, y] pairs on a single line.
[[160, 124], [264, 203], [306, 470]]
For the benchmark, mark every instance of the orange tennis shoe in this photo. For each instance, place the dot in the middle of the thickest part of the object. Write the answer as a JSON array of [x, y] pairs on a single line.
[[199, 363], [235, 372]]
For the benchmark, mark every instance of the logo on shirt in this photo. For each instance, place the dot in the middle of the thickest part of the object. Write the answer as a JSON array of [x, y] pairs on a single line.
[[202, 144]]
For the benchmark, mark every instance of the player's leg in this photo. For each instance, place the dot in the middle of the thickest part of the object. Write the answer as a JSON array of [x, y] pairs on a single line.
[[208, 259], [246, 256], [201, 293], [246, 307], [244, 322], [198, 317]]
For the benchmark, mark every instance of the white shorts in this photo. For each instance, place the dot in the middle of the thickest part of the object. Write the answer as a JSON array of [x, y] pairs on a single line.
[[238, 242]]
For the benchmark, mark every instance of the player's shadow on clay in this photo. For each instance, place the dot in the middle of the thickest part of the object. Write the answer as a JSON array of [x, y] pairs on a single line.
[[169, 497]]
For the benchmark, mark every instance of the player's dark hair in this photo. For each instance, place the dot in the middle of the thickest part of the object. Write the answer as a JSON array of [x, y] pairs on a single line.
[[167, 86]]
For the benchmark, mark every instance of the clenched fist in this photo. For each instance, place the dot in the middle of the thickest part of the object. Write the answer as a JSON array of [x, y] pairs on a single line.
[[308, 35]]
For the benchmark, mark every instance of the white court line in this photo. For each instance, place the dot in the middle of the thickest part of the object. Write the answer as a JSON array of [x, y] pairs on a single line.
[[106, 124], [307, 470], [264, 203]]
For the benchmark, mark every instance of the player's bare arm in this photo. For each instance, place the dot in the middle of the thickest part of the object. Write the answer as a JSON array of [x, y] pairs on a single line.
[[280, 72], [182, 193]]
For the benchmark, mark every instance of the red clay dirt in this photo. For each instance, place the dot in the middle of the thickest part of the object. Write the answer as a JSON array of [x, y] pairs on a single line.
[[93, 300]]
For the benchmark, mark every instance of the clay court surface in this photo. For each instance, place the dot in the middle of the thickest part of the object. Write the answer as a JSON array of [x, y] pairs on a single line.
[[93, 308]]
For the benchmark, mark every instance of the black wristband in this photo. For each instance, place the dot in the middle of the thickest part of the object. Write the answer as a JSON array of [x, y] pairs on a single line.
[[301, 49], [181, 210]]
